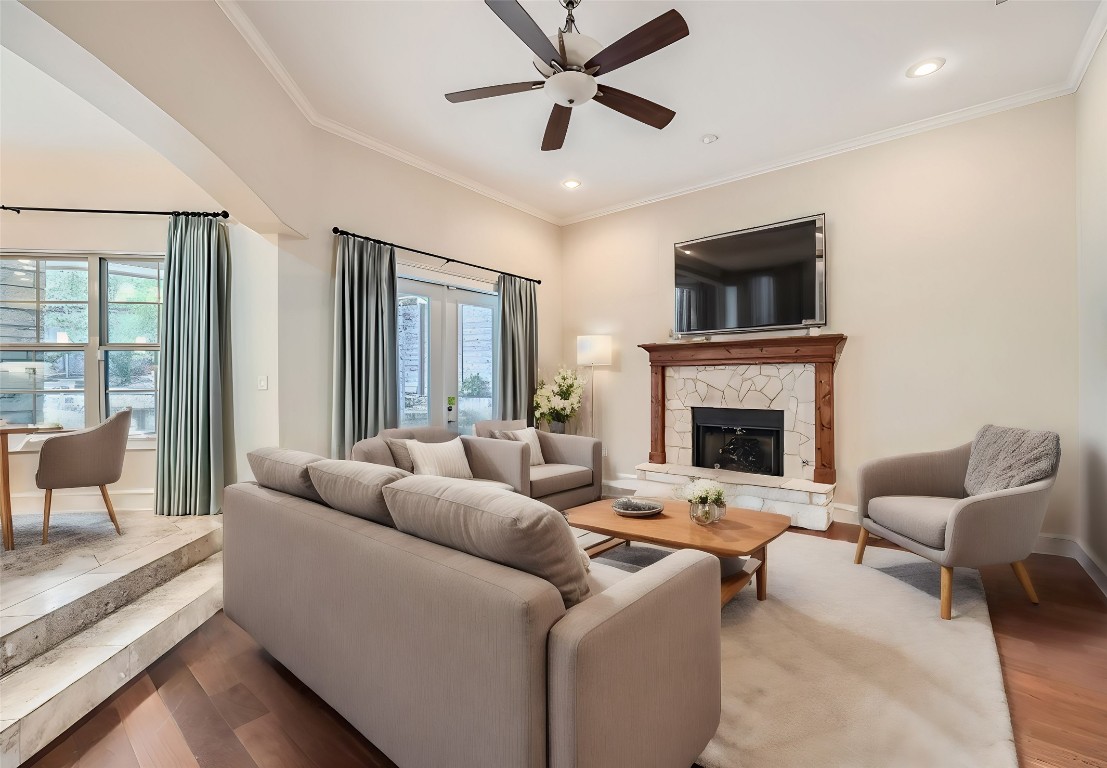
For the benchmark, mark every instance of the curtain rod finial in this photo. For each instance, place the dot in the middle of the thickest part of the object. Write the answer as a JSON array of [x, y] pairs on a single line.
[[335, 230], [224, 214]]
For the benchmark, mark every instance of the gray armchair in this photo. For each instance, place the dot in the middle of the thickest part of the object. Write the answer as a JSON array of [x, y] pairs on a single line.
[[571, 476], [90, 457], [919, 502]]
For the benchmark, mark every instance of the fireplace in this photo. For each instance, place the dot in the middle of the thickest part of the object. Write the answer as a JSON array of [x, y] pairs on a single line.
[[739, 439]]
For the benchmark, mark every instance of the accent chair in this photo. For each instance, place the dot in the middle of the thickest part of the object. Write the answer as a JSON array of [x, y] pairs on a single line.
[[920, 502], [90, 457], [573, 471]]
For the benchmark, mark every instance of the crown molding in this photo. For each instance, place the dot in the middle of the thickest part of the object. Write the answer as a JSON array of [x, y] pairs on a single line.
[[891, 134], [268, 58], [1081, 61]]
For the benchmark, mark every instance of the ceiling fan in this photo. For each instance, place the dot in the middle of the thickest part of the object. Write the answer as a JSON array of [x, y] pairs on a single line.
[[570, 67]]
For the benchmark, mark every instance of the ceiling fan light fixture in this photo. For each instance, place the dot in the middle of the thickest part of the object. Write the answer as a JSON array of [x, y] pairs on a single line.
[[926, 67], [570, 183], [570, 88]]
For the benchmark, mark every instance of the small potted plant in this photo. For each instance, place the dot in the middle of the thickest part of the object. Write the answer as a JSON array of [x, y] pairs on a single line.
[[706, 501], [558, 401]]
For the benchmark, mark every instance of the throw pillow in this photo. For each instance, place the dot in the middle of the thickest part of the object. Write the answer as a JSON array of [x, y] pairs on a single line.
[[1007, 457], [440, 459], [355, 487], [530, 437], [493, 524], [284, 470], [401, 456]]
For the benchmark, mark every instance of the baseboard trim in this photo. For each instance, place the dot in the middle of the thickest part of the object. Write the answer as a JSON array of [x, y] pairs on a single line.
[[1067, 546]]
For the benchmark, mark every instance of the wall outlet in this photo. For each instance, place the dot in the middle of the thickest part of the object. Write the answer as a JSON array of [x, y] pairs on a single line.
[[263, 382], [605, 451]]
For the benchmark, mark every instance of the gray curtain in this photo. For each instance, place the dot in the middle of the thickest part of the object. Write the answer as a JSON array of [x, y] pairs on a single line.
[[518, 347], [191, 370], [366, 370]]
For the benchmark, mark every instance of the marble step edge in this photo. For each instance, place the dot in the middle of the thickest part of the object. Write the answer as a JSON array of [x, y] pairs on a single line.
[[40, 634], [42, 699]]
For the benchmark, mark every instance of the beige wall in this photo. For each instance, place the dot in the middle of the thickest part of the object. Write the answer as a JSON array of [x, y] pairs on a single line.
[[1091, 153], [952, 269]]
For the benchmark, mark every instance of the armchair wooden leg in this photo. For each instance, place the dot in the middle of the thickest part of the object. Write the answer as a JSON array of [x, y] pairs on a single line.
[[947, 593], [111, 509], [862, 541], [46, 515], [1024, 578]]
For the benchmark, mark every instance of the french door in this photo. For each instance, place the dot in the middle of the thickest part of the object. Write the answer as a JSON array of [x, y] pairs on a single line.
[[448, 355]]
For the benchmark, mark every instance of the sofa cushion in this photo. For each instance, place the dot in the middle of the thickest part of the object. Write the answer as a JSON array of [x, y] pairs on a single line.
[[492, 524], [284, 470], [601, 576], [355, 487], [440, 459], [922, 518], [374, 450], [528, 435], [401, 456], [554, 478], [1007, 457]]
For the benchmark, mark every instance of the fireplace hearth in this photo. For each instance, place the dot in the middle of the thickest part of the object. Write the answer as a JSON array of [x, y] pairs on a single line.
[[747, 440]]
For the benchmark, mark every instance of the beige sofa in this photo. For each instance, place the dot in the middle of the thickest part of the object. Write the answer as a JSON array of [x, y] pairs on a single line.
[[571, 476], [441, 658]]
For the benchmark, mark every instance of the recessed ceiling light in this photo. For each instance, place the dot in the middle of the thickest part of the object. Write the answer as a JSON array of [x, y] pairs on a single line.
[[927, 67], [570, 183], [709, 138]]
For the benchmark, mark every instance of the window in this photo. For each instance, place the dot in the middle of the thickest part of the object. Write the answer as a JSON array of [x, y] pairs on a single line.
[[81, 338]]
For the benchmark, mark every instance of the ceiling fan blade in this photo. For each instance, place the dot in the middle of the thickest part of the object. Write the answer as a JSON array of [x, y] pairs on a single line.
[[520, 22], [649, 38], [642, 110], [561, 45], [492, 90], [556, 128]]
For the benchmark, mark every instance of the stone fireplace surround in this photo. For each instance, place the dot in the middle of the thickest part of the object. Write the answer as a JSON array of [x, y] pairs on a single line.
[[792, 374]]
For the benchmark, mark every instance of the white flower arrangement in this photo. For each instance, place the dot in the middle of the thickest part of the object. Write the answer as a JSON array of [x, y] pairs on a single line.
[[560, 399], [702, 492]]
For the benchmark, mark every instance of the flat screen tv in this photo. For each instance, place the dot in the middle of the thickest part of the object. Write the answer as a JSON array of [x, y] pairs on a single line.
[[764, 278]]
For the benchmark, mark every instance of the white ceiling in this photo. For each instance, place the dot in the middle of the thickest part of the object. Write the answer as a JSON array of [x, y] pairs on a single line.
[[777, 81]]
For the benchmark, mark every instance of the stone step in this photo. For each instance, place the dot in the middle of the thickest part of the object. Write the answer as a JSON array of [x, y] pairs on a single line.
[[44, 605], [46, 696]]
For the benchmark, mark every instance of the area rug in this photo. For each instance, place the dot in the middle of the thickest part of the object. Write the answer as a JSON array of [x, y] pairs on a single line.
[[849, 666]]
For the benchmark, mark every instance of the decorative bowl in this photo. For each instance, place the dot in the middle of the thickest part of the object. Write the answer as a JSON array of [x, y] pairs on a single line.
[[636, 507]]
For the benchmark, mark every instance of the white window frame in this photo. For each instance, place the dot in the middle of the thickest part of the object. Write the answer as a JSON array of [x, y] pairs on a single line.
[[96, 385]]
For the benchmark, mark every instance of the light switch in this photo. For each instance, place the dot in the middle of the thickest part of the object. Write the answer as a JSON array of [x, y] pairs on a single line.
[[263, 382]]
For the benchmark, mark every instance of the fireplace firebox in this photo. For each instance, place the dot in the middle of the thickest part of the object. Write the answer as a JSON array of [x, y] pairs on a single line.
[[739, 439]]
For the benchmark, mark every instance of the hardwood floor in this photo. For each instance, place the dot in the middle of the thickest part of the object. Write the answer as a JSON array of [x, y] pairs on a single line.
[[218, 700]]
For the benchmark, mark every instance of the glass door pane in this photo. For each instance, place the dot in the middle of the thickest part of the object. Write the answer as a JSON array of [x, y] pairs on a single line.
[[476, 358], [414, 334]]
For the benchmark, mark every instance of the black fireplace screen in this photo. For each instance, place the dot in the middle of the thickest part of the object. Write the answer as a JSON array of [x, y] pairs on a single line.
[[740, 439]]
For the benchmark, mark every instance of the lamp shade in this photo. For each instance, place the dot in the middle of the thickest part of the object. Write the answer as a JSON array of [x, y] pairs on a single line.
[[593, 350]]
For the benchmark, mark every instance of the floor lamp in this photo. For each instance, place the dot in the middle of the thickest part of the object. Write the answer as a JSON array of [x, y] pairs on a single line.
[[593, 351]]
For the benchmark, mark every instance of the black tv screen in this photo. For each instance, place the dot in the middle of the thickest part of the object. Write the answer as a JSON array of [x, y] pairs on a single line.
[[763, 278]]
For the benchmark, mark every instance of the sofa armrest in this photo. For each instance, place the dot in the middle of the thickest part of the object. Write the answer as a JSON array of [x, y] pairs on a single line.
[[634, 672], [504, 461], [578, 450], [938, 473], [998, 527]]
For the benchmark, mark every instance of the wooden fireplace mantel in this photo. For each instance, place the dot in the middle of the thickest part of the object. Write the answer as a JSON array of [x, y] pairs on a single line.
[[823, 351]]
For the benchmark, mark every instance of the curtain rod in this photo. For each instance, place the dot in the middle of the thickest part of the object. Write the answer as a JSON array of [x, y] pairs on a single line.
[[21, 208], [446, 259]]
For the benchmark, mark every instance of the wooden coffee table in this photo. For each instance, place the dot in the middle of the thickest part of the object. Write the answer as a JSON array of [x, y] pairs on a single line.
[[742, 533]]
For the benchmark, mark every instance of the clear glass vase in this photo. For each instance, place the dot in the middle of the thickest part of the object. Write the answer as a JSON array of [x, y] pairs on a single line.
[[705, 514]]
